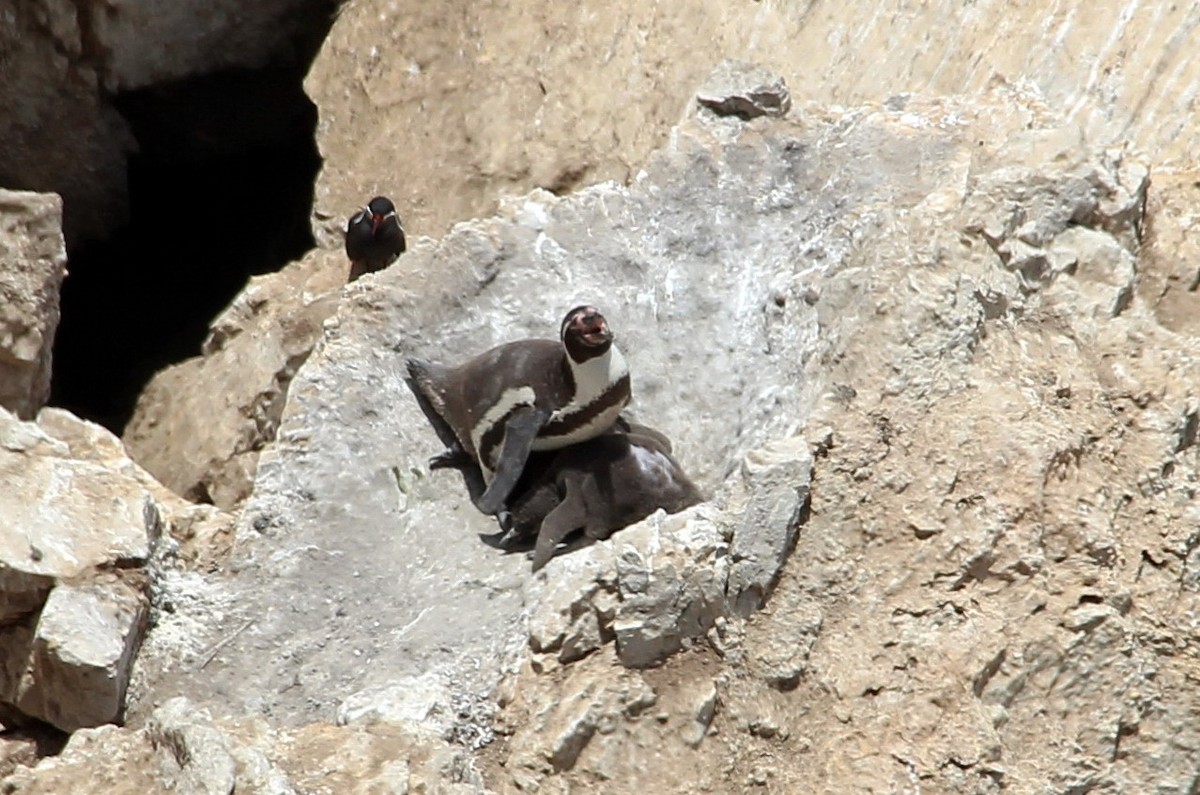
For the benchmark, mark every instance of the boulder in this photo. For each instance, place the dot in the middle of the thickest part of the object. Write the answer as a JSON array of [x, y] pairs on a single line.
[[207, 450], [33, 263], [79, 523], [82, 650], [562, 97]]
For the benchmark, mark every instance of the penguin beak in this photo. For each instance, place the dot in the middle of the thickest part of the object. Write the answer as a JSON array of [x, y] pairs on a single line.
[[595, 331]]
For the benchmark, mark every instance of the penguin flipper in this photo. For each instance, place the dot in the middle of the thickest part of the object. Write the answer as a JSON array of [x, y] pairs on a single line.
[[567, 516], [520, 429]]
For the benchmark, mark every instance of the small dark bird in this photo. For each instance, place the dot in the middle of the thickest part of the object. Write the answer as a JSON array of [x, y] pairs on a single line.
[[374, 237]]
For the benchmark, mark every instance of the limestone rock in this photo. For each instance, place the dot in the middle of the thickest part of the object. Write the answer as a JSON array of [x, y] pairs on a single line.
[[105, 759], [1172, 246], [779, 483], [32, 266], [64, 516], [207, 450], [527, 101], [83, 647], [183, 750], [745, 90], [994, 583], [671, 578], [79, 523], [200, 751]]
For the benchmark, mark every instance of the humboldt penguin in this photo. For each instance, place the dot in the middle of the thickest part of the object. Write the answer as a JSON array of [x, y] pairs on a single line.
[[598, 486], [374, 237], [523, 396]]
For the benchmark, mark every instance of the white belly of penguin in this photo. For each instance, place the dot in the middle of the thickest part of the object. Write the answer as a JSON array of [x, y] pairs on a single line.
[[593, 380]]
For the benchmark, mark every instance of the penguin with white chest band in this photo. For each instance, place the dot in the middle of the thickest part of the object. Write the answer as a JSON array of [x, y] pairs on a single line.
[[599, 486], [523, 396]]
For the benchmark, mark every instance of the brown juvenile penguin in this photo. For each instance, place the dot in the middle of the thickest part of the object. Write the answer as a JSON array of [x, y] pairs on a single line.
[[523, 396], [599, 486], [374, 237]]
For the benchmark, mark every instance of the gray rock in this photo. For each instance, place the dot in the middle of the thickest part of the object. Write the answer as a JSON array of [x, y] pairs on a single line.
[[704, 709], [201, 753], [671, 578], [33, 261], [778, 483], [745, 90], [83, 647]]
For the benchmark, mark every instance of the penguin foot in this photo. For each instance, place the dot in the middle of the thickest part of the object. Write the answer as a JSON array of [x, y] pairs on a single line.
[[454, 458]]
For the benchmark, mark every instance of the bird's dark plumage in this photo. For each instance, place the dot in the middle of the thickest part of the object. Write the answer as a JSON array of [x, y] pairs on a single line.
[[374, 237]]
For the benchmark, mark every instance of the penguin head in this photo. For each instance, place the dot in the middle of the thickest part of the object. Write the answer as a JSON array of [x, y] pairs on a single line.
[[585, 333]]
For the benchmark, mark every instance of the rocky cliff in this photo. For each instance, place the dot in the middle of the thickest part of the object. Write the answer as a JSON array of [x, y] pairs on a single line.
[[932, 358]]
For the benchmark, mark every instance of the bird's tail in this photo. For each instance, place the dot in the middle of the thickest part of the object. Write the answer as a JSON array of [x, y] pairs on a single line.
[[423, 379]]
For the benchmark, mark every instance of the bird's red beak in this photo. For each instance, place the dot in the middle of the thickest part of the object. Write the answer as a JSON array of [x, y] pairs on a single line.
[[376, 220]]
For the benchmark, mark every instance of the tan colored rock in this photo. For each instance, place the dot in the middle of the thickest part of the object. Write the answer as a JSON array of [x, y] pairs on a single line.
[[62, 517], [33, 263], [989, 590], [83, 647], [997, 583], [183, 751], [561, 96], [1172, 247], [199, 425], [79, 522], [94, 760]]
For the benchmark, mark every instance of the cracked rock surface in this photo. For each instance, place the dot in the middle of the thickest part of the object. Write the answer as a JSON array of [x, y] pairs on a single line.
[[933, 361]]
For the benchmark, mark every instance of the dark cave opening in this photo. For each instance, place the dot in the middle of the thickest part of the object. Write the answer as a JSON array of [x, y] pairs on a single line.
[[220, 189]]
